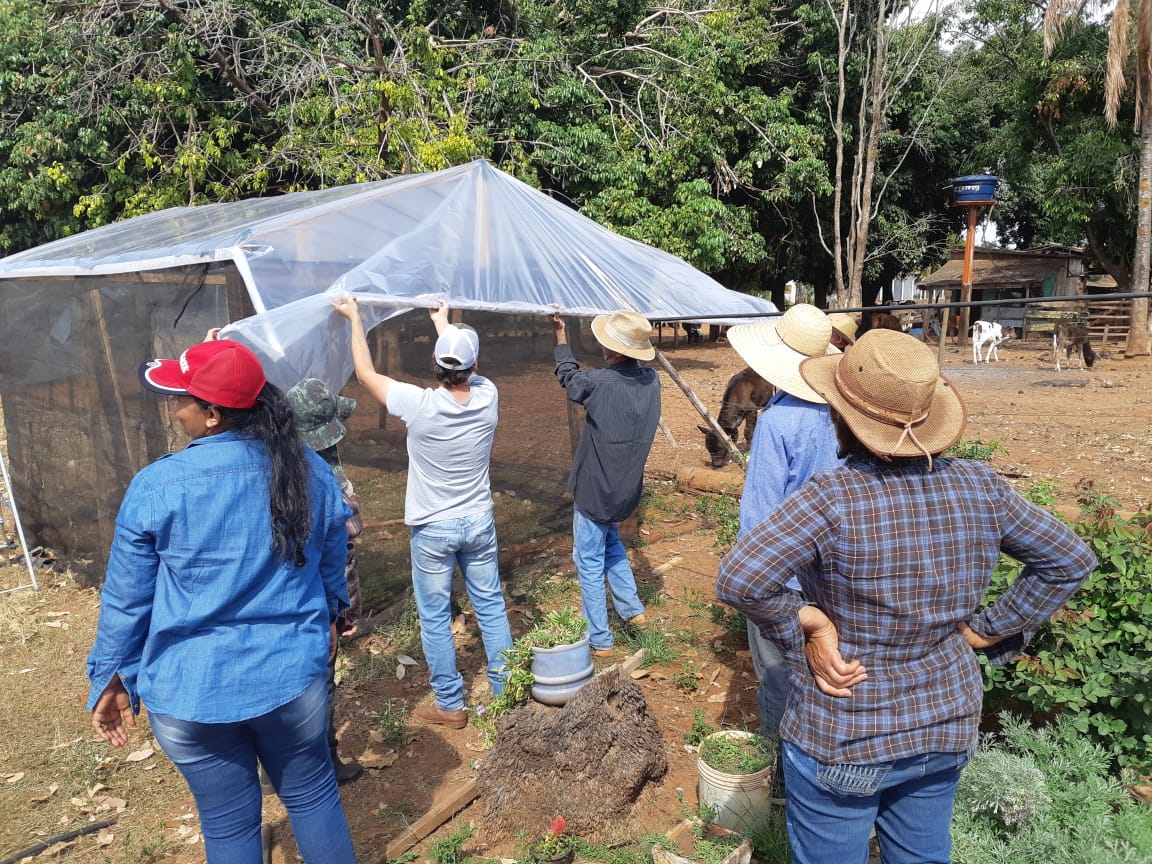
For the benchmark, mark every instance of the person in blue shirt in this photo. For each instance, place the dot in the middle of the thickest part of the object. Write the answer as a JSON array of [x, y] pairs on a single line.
[[218, 611], [794, 439]]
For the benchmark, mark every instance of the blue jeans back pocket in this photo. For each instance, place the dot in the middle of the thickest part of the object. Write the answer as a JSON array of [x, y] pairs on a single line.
[[851, 780]]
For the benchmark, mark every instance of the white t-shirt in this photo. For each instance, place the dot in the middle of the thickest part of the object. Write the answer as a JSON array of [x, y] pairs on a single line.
[[449, 448]]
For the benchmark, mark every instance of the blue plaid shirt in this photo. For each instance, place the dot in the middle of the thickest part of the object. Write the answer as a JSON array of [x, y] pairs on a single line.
[[896, 556]]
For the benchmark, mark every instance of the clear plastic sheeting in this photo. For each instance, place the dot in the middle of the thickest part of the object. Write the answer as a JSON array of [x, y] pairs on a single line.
[[471, 234], [78, 316]]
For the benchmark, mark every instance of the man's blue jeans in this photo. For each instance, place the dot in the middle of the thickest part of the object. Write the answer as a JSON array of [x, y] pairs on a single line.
[[772, 672], [833, 808], [436, 550], [219, 762], [598, 553]]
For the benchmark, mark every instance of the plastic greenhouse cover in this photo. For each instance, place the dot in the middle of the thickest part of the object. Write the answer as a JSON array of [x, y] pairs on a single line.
[[472, 234]]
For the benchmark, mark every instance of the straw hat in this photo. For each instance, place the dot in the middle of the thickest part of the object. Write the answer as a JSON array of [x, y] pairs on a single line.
[[626, 333], [845, 324], [890, 392], [774, 349]]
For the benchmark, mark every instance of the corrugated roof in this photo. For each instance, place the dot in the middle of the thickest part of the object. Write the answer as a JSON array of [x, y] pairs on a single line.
[[996, 272]]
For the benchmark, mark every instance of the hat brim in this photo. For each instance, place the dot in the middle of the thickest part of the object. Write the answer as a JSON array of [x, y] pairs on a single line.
[[323, 437], [851, 337], [599, 330], [937, 432], [761, 348], [164, 377]]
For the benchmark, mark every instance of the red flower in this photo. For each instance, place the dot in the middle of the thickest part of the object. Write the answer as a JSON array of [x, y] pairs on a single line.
[[557, 826]]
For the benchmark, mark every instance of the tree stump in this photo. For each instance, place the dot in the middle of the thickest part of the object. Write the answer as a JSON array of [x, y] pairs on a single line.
[[587, 761]]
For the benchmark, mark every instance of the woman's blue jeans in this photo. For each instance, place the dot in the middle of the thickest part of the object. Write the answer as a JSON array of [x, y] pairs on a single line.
[[833, 808], [219, 762], [437, 548], [598, 553]]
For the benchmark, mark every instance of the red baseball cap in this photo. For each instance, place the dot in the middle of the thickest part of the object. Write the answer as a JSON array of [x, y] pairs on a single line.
[[222, 372]]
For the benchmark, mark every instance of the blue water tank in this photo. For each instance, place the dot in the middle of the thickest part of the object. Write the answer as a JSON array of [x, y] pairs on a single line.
[[975, 189]]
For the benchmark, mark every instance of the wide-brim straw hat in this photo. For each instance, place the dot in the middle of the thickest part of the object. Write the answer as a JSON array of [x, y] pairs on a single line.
[[845, 324], [775, 349], [889, 390], [627, 333]]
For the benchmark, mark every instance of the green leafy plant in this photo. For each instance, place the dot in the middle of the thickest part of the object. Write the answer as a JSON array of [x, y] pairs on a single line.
[[1091, 662], [557, 627], [985, 451], [738, 754], [700, 729], [1041, 492], [688, 679]]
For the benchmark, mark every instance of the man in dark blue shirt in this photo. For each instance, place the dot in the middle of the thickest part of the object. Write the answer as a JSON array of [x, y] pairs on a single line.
[[622, 408]]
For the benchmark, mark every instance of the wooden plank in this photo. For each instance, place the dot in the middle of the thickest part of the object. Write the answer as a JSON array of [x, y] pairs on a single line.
[[441, 812]]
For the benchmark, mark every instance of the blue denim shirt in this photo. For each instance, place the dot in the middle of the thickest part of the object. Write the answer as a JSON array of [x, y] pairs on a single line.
[[198, 615]]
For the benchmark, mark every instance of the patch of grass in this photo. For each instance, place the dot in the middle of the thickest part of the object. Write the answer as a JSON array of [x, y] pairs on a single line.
[[741, 755], [392, 722], [636, 851], [651, 595], [450, 849], [549, 589], [378, 660], [401, 811], [656, 644], [769, 837], [144, 849]]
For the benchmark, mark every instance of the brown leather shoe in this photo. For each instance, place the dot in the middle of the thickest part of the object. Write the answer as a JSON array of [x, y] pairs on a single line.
[[637, 621], [435, 714], [603, 652]]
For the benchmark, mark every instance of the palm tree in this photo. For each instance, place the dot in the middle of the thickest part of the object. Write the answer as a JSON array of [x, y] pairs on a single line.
[[1131, 23]]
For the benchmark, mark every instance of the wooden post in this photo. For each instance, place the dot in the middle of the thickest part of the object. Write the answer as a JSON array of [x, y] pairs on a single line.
[[737, 454], [966, 282]]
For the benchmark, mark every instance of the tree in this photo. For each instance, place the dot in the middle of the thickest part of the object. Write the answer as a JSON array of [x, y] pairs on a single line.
[[879, 51], [1128, 40]]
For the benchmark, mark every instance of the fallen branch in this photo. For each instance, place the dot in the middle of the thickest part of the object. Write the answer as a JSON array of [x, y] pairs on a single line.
[[32, 851]]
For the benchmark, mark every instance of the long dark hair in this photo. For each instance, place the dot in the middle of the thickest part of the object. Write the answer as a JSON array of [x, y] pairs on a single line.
[[271, 422]]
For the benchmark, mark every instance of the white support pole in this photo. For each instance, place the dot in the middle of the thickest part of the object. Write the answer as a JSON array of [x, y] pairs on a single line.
[[19, 529]]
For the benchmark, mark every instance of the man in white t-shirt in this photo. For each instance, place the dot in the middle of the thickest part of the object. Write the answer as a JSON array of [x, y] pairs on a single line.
[[448, 504]]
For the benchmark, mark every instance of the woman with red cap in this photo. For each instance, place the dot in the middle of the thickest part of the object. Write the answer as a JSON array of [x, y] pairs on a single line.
[[222, 631]]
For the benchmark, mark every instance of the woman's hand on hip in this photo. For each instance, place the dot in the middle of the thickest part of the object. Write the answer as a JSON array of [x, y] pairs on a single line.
[[834, 675]]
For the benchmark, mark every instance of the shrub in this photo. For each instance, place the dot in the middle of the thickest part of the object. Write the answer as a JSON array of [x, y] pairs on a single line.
[[1091, 662], [1036, 796]]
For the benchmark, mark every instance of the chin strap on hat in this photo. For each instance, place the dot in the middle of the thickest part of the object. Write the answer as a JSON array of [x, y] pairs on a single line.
[[911, 436]]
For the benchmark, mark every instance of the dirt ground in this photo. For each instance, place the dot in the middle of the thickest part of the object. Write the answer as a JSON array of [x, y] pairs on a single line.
[[1074, 428]]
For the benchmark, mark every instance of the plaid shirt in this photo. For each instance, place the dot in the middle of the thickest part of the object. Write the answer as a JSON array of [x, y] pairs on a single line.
[[896, 556]]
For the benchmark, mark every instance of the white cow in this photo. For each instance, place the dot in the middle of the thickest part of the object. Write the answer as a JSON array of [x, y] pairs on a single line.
[[991, 334]]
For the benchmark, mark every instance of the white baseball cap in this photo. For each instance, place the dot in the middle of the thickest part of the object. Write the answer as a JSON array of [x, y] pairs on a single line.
[[457, 348]]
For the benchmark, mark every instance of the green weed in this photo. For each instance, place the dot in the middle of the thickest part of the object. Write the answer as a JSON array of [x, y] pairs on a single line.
[[687, 679], [985, 451], [700, 730], [720, 512], [1042, 492], [731, 620]]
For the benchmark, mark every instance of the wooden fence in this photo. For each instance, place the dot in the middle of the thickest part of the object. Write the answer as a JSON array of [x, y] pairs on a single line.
[[1107, 320]]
